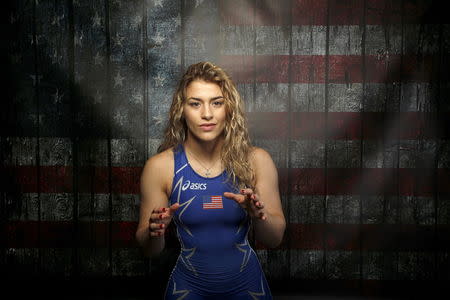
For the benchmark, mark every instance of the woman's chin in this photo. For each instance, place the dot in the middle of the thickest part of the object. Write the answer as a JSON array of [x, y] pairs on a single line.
[[208, 137]]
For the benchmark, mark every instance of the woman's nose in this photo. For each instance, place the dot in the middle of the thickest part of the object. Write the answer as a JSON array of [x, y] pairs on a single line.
[[206, 112]]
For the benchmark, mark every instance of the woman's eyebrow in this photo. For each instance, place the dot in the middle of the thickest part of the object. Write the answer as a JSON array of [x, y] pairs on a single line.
[[215, 98], [199, 99]]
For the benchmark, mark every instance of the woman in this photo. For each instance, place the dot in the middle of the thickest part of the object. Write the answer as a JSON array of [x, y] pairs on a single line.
[[213, 184]]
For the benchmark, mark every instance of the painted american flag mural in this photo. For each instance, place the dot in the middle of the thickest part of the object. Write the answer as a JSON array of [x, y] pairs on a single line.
[[349, 97]]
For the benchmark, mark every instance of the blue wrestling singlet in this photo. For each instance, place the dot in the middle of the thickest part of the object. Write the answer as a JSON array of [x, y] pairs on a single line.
[[216, 260]]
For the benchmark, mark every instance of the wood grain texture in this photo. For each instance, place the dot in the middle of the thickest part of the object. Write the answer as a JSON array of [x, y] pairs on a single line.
[[201, 31], [92, 91], [164, 59], [350, 98], [126, 62]]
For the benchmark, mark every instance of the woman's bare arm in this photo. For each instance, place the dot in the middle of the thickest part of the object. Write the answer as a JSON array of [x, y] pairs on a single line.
[[270, 230], [263, 204], [154, 196]]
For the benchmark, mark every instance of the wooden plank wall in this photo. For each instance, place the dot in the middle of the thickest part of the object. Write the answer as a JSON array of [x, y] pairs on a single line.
[[351, 98]]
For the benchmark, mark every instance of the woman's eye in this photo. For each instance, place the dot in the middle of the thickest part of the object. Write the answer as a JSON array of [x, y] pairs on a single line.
[[217, 103], [194, 104]]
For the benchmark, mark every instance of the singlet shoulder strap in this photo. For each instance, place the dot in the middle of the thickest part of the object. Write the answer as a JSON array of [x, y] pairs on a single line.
[[180, 159]]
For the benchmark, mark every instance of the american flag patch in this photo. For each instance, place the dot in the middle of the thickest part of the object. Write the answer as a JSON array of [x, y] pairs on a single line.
[[212, 202]]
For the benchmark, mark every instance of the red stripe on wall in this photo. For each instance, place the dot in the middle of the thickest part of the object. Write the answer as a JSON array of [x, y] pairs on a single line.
[[366, 181], [58, 179], [367, 237], [303, 181], [314, 12], [342, 68], [349, 125], [396, 237], [62, 234]]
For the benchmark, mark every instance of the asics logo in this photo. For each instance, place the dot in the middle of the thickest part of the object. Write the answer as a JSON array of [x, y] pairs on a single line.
[[193, 186]]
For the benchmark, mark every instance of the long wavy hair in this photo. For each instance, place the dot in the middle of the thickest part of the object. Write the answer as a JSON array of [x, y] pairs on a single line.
[[237, 145]]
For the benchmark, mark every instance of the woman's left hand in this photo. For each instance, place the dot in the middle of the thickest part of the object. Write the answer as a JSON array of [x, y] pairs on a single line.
[[249, 201]]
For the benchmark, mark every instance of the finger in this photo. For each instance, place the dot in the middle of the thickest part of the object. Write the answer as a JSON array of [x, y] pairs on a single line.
[[236, 197], [246, 191], [158, 218], [259, 204], [166, 214], [158, 210], [254, 197], [155, 218], [262, 216], [171, 210], [157, 233], [155, 226]]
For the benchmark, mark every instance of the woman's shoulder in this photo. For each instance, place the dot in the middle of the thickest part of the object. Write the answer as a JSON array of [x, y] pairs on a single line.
[[262, 163], [258, 155], [161, 163]]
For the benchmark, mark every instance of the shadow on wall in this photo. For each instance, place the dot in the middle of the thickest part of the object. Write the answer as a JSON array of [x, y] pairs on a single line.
[[58, 106]]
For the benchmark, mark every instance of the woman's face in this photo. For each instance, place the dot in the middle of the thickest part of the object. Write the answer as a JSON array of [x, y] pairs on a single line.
[[204, 111]]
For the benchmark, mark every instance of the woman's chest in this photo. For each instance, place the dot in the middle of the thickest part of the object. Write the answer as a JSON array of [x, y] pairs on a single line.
[[203, 203]]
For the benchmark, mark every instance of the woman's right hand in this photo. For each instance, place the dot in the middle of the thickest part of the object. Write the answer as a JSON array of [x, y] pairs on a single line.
[[160, 219]]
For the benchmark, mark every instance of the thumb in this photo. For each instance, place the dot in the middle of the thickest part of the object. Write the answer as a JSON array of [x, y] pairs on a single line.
[[235, 197], [173, 208]]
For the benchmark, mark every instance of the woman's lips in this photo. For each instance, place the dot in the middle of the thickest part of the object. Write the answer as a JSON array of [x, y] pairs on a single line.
[[208, 127]]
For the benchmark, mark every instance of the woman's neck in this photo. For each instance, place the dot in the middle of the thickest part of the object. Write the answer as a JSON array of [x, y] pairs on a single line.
[[206, 151]]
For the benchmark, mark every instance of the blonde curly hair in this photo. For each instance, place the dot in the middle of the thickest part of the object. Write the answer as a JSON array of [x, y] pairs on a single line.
[[237, 146]]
